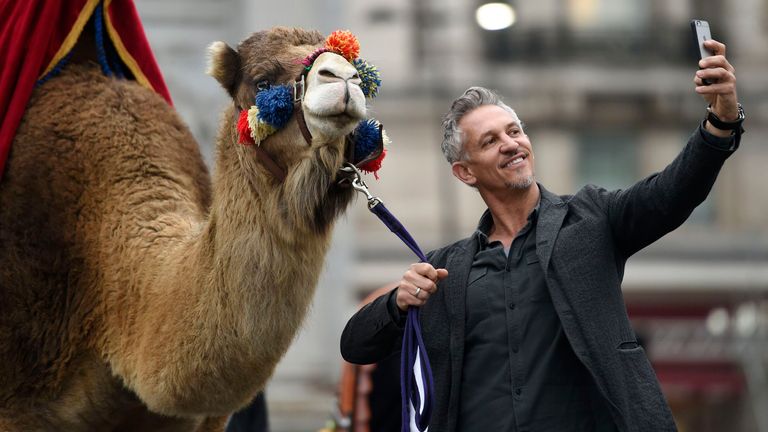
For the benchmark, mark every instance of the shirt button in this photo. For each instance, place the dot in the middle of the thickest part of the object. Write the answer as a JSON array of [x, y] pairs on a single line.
[[512, 306], [514, 350], [518, 391]]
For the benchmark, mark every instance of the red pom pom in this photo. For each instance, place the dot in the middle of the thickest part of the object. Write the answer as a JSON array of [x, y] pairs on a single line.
[[243, 129], [344, 43], [373, 166]]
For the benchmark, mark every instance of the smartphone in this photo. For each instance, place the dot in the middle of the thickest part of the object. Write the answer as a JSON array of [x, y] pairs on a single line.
[[700, 30]]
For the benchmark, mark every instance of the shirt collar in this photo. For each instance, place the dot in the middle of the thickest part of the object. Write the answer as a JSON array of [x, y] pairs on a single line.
[[486, 223]]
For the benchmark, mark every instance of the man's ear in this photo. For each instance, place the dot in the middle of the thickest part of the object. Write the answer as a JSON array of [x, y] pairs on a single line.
[[462, 172], [224, 65]]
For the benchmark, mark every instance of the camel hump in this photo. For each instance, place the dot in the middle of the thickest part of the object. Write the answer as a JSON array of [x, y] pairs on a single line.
[[86, 131]]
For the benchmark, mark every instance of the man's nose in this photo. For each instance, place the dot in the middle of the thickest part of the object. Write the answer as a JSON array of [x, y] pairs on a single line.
[[508, 145]]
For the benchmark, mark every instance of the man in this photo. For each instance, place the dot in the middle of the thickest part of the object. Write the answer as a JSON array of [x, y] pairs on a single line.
[[524, 321]]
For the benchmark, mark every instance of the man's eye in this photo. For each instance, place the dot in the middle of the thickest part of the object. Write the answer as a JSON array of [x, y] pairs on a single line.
[[513, 132]]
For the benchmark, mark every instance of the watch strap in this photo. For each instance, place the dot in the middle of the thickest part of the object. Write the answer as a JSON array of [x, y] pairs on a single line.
[[735, 126]]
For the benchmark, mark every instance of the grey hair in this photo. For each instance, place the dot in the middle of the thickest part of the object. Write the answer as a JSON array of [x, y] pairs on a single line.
[[453, 137]]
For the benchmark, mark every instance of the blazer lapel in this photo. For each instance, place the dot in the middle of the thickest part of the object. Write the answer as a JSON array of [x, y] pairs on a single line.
[[459, 263], [552, 211]]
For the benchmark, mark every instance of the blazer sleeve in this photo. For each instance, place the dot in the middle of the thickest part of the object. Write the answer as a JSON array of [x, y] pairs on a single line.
[[372, 333], [376, 330], [658, 204]]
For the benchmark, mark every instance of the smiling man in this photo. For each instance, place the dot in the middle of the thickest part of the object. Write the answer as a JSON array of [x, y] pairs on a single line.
[[524, 321]]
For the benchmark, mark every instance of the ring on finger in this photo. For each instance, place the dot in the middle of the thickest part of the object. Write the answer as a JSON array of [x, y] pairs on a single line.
[[416, 294]]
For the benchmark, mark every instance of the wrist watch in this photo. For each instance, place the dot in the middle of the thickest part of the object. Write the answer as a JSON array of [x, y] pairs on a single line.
[[734, 126]]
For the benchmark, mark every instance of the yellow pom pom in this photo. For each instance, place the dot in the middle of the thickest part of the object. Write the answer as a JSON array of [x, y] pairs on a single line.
[[260, 130]]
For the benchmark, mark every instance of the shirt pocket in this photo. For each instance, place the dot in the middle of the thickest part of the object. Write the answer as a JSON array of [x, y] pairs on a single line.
[[476, 274], [531, 258], [478, 303]]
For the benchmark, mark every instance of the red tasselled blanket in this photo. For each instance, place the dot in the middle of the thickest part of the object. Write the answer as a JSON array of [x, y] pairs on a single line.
[[35, 35]]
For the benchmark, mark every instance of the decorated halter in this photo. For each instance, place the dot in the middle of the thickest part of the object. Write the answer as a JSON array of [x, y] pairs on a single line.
[[275, 105]]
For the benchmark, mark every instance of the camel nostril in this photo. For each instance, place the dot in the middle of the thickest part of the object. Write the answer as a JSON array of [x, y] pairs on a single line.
[[326, 73]]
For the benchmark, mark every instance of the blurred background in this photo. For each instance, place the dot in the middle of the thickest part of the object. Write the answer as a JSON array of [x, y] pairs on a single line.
[[605, 89]]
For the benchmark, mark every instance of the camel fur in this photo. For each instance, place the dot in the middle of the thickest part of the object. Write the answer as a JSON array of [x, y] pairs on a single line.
[[135, 292]]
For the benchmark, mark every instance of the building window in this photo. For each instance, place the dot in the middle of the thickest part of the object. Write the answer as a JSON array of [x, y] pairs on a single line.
[[603, 15], [610, 159], [607, 159], [591, 31]]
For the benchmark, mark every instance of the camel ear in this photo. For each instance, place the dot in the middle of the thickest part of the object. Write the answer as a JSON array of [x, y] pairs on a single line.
[[224, 65]]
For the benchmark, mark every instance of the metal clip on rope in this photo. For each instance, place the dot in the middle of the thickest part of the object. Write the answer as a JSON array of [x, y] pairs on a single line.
[[413, 344], [359, 185]]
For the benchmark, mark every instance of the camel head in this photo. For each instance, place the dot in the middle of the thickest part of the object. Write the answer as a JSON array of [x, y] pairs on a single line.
[[284, 75]]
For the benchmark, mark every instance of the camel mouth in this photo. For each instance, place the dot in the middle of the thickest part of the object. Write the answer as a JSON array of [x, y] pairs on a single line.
[[348, 113], [341, 118], [334, 125]]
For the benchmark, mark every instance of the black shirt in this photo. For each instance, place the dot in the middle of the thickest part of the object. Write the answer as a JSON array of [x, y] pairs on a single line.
[[520, 373]]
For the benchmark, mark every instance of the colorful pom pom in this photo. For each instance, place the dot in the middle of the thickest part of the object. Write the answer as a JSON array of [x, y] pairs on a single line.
[[370, 77], [344, 43], [366, 137], [373, 166], [243, 129], [260, 130], [275, 105]]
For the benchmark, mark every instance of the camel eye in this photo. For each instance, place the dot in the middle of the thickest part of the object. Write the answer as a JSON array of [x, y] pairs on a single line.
[[263, 85]]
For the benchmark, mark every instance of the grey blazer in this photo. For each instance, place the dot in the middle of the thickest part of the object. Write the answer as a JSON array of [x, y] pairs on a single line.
[[583, 242]]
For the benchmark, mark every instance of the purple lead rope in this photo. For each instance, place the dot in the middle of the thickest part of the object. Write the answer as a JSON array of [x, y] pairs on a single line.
[[413, 343]]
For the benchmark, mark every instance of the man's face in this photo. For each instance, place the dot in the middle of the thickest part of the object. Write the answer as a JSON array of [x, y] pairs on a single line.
[[498, 155]]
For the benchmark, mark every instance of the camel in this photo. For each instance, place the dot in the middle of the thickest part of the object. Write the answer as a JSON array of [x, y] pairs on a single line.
[[136, 291]]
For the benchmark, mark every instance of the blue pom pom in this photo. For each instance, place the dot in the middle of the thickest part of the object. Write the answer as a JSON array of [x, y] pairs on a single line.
[[275, 105], [366, 136], [370, 77]]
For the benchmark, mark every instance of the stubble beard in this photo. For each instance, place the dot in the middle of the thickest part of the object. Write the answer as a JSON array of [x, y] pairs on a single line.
[[522, 183]]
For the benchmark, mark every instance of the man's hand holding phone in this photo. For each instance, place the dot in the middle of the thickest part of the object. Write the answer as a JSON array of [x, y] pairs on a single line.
[[716, 79], [721, 92]]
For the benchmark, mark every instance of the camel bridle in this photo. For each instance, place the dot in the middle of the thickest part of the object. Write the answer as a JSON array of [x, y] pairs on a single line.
[[299, 89]]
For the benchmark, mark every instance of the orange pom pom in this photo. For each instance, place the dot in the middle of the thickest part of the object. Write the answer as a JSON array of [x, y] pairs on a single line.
[[344, 43]]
